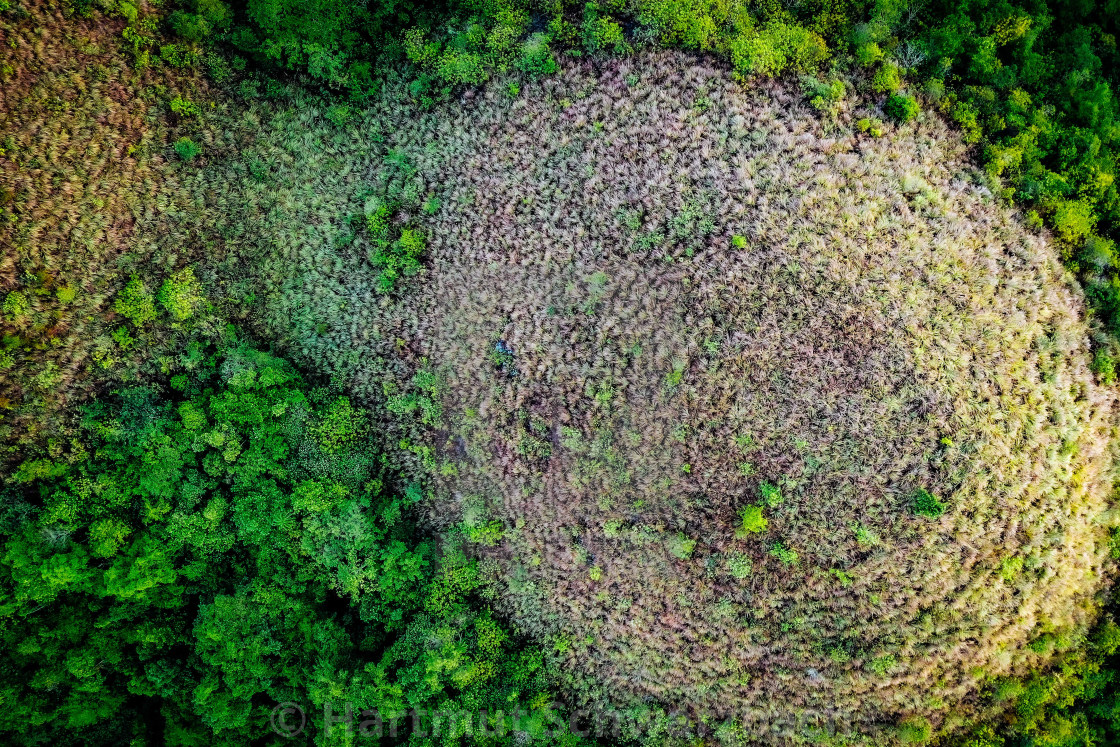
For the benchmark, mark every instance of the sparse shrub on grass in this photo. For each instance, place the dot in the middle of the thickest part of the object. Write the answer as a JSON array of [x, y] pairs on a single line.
[[187, 149], [751, 522], [871, 126], [680, 546], [135, 303], [739, 566], [786, 555], [846, 344], [924, 503]]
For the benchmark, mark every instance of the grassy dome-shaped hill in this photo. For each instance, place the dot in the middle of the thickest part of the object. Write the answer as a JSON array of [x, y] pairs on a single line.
[[748, 413]]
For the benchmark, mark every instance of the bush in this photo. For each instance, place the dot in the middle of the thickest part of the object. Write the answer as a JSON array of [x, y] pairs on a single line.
[[184, 108], [739, 566], [600, 33], [1104, 366], [924, 503], [915, 730], [681, 547], [888, 78], [536, 56], [398, 259], [901, 108], [870, 125], [776, 48], [135, 303], [187, 148], [180, 295], [868, 54], [752, 522], [785, 554]]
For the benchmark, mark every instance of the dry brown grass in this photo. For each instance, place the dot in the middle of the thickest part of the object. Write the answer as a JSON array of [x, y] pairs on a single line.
[[886, 327]]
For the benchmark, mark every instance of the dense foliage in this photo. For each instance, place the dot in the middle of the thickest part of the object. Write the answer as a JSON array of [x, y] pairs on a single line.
[[209, 549]]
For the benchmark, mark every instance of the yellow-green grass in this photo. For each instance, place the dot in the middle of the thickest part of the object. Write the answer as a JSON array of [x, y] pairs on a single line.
[[655, 300]]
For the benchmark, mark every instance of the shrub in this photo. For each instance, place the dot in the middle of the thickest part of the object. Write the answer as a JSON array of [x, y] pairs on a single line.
[[915, 730], [823, 96], [339, 114], [871, 126], [187, 148], [536, 56], [600, 33], [868, 54], [739, 566], [184, 108], [180, 295], [888, 78], [398, 259], [752, 522], [776, 48], [135, 303], [1104, 366], [901, 108], [771, 494], [461, 67], [785, 554], [882, 665], [924, 503], [16, 305], [681, 547]]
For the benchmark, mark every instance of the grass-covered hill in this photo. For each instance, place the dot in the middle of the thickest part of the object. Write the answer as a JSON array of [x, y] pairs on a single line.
[[740, 403]]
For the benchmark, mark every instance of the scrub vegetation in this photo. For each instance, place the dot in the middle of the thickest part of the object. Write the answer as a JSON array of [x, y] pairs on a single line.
[[730, 373]]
